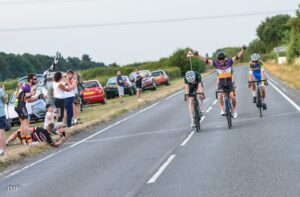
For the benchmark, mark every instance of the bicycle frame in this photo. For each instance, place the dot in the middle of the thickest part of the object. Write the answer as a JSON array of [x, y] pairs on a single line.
[[258, 93], [197, 112], [227, 105]]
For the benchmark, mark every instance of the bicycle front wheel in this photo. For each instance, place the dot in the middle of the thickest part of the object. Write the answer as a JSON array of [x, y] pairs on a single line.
[[228, 114], [197, 117]]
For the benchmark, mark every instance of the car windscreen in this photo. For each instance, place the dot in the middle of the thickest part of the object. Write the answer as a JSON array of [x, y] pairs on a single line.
[[90, 84], [158, 73], [112, 80]]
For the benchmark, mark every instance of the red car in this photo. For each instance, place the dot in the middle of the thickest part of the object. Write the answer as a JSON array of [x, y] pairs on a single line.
[[160, 77], [93, 92]]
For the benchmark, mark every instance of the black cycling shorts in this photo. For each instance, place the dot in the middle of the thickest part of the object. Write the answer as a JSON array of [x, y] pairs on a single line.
[[225, 84], [22, 113]]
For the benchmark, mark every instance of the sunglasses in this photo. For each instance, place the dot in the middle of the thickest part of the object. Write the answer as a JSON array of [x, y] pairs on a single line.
[[221, 59], [254, 61]]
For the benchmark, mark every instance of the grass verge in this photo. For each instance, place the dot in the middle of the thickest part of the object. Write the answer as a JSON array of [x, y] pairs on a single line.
[[92, 116], [289, 74]]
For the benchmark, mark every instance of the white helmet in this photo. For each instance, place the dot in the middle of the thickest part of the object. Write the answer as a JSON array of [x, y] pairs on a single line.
[[190, 76], [255, 57]]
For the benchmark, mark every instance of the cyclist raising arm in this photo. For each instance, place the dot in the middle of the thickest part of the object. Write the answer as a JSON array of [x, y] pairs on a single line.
[[193, 83], [225, 79]]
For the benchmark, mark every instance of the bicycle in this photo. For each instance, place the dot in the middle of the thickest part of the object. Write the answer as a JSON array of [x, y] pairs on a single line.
[[197, 111], [259, 102], [227, 105]]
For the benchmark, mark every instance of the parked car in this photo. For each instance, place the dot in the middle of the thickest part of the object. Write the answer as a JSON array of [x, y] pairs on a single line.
[[36, 109], [111, 88], [160, 77], [148, 80], [93, 92]]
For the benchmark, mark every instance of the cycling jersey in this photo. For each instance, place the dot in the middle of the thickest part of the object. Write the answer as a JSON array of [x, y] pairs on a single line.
[[39, 134], [20, 103], [255, 70], [193, 86], [224, 71]]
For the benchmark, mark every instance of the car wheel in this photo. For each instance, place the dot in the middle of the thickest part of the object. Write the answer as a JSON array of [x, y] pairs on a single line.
[[104, 102], [168, 83]]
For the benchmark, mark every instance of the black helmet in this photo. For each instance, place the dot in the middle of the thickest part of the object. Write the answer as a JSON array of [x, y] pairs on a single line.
[[221, 55]]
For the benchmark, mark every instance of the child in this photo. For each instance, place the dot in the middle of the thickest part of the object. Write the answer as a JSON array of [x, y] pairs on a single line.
[[49, 118]]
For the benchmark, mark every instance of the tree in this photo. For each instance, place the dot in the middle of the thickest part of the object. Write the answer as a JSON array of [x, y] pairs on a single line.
[[274, 31], [294, 45]]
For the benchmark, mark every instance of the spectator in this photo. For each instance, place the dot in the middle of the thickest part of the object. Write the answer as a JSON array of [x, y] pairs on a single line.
[[121, 86], [49, 118], [77, 101], [70, 96], [39, 134], [59, 91], [138, 83], [3, 122]]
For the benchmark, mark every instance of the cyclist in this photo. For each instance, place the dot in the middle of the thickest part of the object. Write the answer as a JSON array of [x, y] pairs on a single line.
[[193, 83], [225, 78], [256, 72], [25, 94]]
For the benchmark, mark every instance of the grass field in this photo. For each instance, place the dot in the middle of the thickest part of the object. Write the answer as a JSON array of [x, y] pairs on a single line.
[[289, 74]]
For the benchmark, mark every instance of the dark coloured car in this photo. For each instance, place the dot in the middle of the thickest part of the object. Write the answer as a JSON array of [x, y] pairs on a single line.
[[160, 77], [111, 87]]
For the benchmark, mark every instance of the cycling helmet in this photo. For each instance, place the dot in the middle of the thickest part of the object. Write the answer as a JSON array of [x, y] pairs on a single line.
[[190, 76], [255, 57], [221, 55]]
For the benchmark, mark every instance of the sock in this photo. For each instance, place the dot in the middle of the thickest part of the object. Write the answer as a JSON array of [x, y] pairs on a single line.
[[253, 93], [23, 139], [28, 139]]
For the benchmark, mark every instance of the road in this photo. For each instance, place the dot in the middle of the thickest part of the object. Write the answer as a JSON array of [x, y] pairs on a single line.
[[154, 152]]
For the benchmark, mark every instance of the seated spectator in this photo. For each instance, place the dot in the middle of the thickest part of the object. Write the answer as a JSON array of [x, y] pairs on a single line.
[[51, 114], [38, 134]]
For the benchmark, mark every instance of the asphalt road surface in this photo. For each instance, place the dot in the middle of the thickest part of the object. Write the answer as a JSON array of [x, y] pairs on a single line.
[[154, 152]]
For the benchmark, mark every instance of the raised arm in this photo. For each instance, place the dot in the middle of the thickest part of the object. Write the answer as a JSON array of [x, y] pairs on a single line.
[[239, 55], [192, 53]]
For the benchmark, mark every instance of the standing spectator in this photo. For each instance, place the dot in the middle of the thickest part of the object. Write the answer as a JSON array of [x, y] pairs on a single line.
[[59, 89], [3, 101], [25, 94], [77, 101], [121, 86], [138, 83], [70, 96]]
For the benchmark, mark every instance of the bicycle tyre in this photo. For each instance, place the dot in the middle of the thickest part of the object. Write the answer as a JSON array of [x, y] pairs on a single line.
[[228, 114], [197, 116], [259, 102]]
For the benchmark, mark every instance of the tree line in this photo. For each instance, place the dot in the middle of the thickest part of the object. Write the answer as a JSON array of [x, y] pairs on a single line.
[[14, 66], [275, 31]]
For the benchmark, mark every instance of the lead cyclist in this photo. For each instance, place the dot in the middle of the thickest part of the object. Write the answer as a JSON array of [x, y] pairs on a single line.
[[225, 78]]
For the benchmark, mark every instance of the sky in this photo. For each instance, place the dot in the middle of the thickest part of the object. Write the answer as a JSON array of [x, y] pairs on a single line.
[[125, 44]]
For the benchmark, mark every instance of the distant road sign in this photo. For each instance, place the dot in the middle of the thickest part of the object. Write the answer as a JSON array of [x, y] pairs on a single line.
[[280, 49]]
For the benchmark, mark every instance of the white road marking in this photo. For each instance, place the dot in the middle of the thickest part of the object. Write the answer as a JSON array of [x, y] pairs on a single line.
[[161, 169], [208, 110], [187, 139], [284, 95], [202, 118], [215, 102]]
